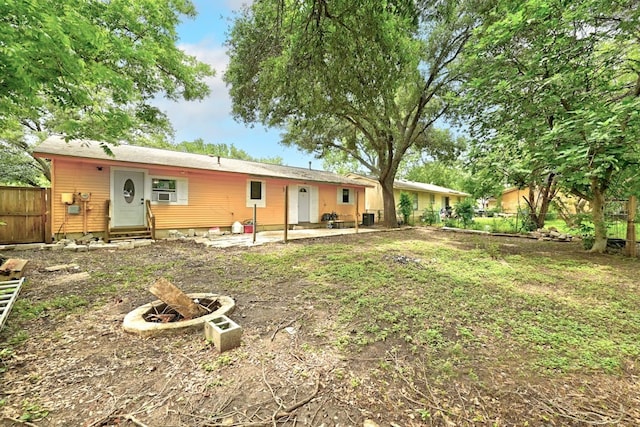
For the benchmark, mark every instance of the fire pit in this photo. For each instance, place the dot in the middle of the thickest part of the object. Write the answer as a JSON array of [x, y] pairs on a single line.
[[157, 318]]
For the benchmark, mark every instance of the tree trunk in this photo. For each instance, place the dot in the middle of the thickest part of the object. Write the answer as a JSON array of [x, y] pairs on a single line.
[[600, 226], [390, 218]]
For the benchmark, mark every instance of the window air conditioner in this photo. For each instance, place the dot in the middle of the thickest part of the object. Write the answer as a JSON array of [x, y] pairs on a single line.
[[164, 197]]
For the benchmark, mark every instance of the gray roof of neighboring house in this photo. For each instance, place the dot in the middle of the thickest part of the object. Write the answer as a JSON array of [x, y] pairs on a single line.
[[415, 186], [153, 156], [421, 186]]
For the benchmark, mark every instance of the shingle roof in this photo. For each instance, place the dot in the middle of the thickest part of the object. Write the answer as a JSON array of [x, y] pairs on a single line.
[[57, 146]]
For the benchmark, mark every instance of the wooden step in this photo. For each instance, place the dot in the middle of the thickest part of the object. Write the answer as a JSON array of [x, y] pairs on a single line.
[[123, 233], [117, 238]]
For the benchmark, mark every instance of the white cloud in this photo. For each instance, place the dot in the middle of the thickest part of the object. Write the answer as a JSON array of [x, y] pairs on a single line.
[[195, 119], [211, 120]]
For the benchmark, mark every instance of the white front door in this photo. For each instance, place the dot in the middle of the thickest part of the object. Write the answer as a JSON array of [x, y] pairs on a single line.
[[128, 199], [303, 204]]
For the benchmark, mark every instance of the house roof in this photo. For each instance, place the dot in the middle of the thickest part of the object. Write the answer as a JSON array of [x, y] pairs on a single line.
[[416, 186], [87, 149], [430, 188]]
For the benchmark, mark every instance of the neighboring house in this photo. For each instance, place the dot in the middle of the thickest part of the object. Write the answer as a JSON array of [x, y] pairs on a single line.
[[424, 196], [92, 192], [512, 200]]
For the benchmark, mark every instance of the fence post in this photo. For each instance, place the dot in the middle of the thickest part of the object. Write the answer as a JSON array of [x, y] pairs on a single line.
[[631, 246], [255, 225], [286, 212], [357, 211]]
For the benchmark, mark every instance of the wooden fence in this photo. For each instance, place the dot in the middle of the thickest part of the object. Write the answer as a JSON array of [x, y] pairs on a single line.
[[24, 215]]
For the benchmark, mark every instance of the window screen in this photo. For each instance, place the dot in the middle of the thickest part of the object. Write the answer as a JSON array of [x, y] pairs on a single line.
[[256, 190]]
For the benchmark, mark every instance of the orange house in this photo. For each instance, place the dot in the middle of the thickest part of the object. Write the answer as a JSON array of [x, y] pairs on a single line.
[[93, 192]]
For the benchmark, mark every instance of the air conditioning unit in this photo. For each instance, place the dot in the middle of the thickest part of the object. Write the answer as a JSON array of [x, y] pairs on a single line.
[[164, 196]]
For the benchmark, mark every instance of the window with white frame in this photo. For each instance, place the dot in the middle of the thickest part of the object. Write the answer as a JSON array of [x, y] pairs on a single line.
[[168, 190], [345, 196], [414, 197], [256, 193]]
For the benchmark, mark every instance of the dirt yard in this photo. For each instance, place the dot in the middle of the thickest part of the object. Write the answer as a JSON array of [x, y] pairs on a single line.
[[67, 361]]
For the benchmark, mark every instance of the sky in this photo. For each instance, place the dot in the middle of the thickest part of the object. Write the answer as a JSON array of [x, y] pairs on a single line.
[[210, 119]]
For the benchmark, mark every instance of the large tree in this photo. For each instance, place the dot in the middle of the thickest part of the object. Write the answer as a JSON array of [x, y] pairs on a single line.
[[89, 68], [557, 86], [367, 78]]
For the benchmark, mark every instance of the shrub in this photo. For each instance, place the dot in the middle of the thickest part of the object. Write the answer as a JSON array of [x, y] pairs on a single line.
[[406, 206], [464, 212], [429, 216]]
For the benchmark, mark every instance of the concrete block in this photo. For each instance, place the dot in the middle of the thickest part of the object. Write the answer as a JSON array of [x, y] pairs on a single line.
[[223, 332], [126, 244], [141, 243], [29, 247]]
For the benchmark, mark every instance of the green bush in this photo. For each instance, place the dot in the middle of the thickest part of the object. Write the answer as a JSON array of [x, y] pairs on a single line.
[[429, 216], [464, 212], [405, 206]]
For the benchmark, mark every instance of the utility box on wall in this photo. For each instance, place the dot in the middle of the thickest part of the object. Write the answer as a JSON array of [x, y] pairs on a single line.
[[73, 210]]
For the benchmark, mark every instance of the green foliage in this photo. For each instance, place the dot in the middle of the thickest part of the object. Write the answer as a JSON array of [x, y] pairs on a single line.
[[464, 211], [286, 73], [66, 304], [88, 69], [552, 92], [32, 411], [429, 216], [406, 206], [199, 146]]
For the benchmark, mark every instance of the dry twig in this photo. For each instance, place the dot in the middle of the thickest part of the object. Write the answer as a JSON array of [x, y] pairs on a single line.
[[282, 325]]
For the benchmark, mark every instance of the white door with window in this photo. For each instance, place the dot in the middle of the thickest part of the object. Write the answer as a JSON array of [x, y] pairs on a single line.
[[303, 204], [128, 199]]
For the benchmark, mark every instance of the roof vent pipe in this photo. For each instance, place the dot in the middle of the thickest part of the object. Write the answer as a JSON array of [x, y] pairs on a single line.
[[309, 164], [218, 159]]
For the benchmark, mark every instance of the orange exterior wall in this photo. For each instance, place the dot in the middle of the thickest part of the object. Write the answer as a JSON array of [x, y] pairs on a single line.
[[215, 199], [78, 177], [512, 199]]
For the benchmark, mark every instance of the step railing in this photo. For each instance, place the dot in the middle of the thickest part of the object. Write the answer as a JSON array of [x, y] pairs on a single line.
[[107, 220], [151, 219]]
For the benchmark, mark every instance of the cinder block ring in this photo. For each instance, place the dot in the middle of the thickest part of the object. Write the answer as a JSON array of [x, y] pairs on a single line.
[[135, 323]]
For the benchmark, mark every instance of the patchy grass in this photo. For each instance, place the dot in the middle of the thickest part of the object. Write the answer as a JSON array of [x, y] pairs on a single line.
[[551, 314], [411, 327]]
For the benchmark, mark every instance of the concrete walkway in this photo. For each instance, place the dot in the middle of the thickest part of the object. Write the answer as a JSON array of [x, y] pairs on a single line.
[[262, 237]]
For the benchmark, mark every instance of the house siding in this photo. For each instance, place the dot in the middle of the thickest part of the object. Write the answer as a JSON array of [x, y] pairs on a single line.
[[215, 199], [78, 177], [375, 203], [512, 200]]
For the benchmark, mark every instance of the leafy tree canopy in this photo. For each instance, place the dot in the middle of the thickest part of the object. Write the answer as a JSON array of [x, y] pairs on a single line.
[[367, 78], [199, 146], [88, 69], [554, 89]]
